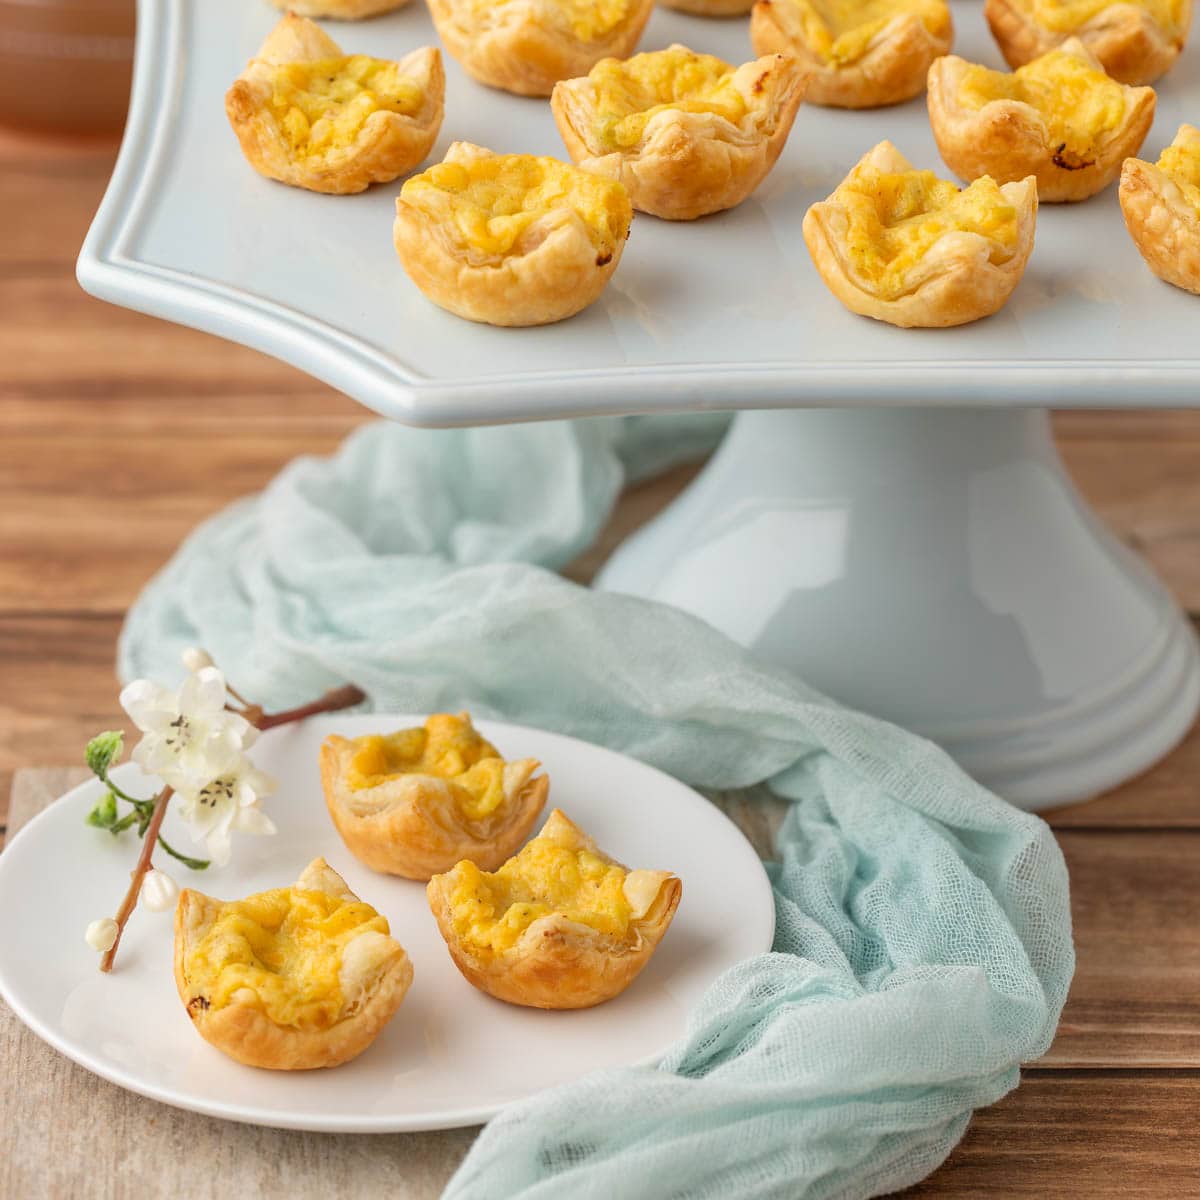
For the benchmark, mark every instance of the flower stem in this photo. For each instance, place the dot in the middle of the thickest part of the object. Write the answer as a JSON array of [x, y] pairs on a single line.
[[138, 874], [338, 698]]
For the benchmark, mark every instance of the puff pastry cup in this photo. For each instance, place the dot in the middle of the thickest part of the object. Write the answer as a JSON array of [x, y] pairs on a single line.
[[310, 116], [561, 925], [416, 802], [510, 239], [1136, 41], [1060, 119], [527, 46], [299, 977], [1161, 205], [686, 133], [861, 53], [339, 10], [902, 246]]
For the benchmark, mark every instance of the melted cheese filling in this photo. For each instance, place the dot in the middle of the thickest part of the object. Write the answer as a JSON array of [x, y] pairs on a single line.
[[840, 31], [629, 93], [586, 19], [895, 219], [492, 201], [321, 106], [448, 747], [1180, 162], [1065, 16], [491, 911], [282, 952], [1078, 103]]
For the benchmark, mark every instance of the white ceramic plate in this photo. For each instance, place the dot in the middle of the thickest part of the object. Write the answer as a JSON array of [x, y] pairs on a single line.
[[451, 1056], [726, 312]]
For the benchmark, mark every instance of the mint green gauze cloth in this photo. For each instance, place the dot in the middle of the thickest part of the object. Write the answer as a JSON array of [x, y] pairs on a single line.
[[923, 946]]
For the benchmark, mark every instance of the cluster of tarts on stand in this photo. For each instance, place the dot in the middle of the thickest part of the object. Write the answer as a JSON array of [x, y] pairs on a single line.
[[522, 239], [308, 975]]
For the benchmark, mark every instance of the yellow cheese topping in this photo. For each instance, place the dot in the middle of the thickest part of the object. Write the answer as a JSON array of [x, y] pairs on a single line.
[[493, 200], [839, 31], [285, 946], [491, 911], [1180, 162], [322, 105], [588, 20], [448, 747], [629, 93], [894, 220], [1065, 16], [1080, 104]]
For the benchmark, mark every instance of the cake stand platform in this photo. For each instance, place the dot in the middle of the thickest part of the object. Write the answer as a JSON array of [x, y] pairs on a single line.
[[889, 517]]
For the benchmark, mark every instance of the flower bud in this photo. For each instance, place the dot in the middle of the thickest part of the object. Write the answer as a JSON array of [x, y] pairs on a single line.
[[102, 935], [196, 659], [159, 891]]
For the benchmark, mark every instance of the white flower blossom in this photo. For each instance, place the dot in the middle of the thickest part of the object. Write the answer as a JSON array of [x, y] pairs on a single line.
[[225, 804], [196, 659], [189, 737], [102, 935], [159, 891]]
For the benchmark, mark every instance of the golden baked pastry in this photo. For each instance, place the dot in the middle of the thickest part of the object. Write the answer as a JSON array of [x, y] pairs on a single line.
[[686, 133], [1136, 41], [1161, 204], [415, 802], [561, 925], [299, 977], [861, 53], [1060, 119], [711, 8], [310, 116], [905, 247], [339, 10], [527, 46], [510, 239]]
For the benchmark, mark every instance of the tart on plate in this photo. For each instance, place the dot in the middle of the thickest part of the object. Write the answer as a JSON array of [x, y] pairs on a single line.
[[686, 133], [313, 117], [861, 53], [1136, 41], [560, 925], [417, 801], [299, 977], [527, 46], [339, 10], [1161, 205], [510, 239], [1060, 119], [902, 246]]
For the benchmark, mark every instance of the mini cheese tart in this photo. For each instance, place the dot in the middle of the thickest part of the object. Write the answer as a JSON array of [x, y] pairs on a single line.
[[1161, 205], [862, 53], [339, 10], [414, 803], [686, 133], [1060, 119], [905, 247], [527, 46], [510, 239], [310, 116], [561, 925], [1136, 41], [299, 977]]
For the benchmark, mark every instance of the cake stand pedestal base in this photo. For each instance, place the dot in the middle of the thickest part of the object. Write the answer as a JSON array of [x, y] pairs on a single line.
[[936, 567]]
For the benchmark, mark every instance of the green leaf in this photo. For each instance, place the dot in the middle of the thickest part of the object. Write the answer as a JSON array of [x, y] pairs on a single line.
[[196, 864], [104, 813], [104, 750], [123, 824]]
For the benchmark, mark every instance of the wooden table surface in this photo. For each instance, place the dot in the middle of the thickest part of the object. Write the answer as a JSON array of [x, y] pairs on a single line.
[[118, 433]]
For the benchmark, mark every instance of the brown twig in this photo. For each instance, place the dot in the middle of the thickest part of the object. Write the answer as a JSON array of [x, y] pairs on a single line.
[[138, 874], [342, 697]]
